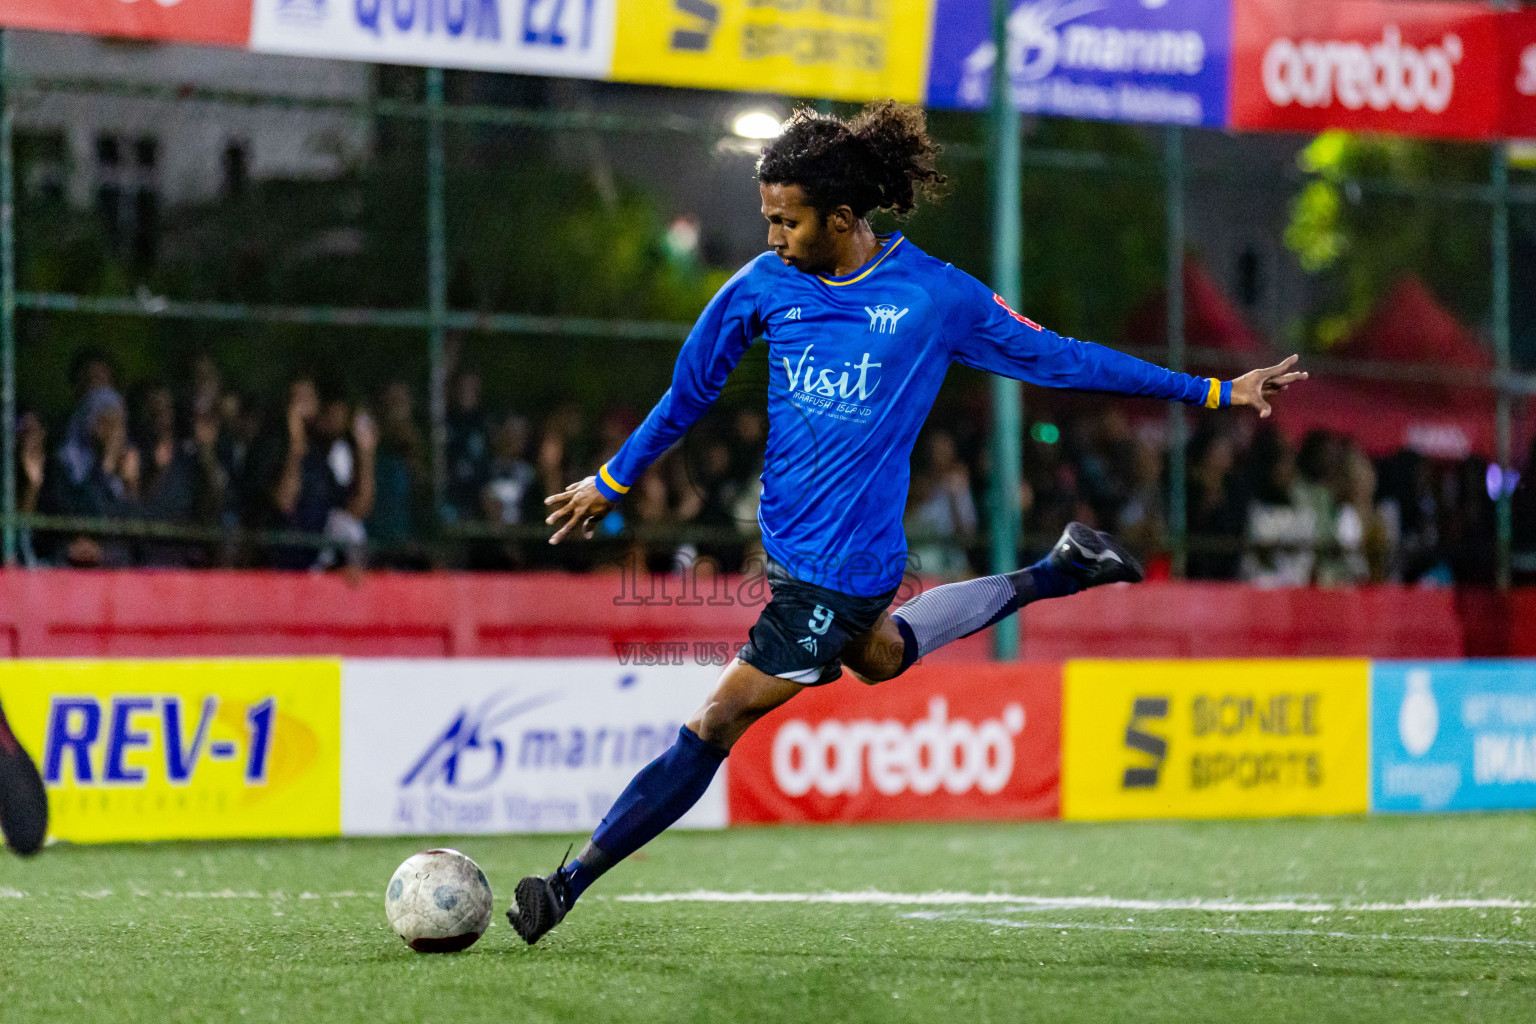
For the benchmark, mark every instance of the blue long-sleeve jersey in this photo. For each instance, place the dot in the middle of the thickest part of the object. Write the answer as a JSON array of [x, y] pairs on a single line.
[[855, 363]]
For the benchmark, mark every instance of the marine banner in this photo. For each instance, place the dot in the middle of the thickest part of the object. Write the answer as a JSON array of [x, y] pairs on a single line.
[[1214, 739], [838, 49], [1409, 67], [135, 750], [225, 22], [948, 742], [540, 37], [1453, 736], [1110, 60], [534, 745]]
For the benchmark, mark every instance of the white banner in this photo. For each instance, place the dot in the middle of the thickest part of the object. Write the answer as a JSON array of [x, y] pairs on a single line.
[[538, 37], [537, 745]]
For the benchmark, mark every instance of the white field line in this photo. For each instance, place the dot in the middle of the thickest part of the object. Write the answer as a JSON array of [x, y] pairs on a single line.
[[950, 899], [928, 915]]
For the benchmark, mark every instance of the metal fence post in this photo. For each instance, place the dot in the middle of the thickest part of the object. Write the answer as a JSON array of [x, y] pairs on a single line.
[[1007, 401], [1173, 166], [7, 314], [1503, 404], [437, 293]]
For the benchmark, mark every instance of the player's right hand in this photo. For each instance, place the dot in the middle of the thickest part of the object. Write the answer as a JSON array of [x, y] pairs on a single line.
[[580, 503]]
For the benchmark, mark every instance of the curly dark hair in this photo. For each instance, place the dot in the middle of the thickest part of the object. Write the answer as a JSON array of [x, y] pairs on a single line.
[[879, 159]]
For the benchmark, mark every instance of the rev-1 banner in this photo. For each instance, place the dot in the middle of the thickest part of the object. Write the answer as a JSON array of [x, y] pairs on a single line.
[[1110, 60], [1399, 66]]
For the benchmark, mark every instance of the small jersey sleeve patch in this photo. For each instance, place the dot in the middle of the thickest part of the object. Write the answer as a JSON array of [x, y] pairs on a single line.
[[1020, 317]]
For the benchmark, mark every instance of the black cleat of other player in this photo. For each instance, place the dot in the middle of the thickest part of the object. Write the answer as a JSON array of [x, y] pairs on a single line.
[[23, 800], [1092, 558], [538, 904]]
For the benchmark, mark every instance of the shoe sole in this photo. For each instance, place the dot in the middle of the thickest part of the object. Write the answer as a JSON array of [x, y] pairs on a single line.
[[530, 909], [23, 798]]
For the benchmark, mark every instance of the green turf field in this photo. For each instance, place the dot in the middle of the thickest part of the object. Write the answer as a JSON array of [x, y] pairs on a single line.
[[295, 931]]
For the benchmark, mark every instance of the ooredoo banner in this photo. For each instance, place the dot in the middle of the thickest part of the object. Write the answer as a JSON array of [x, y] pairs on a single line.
[[133, 750], [942, 743], [839, 49], [536, 745], [1402, 66], [542, 37], [1214, 739], [1113, 60], [1453, 735], [1519, 71], [226, 22]]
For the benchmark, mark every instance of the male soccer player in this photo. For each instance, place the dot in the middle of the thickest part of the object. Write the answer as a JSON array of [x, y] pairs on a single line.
[[860, 330], [23, 800]]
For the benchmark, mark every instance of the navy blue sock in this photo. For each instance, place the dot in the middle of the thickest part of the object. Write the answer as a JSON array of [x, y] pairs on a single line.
[[661, 793], [1045, 581]]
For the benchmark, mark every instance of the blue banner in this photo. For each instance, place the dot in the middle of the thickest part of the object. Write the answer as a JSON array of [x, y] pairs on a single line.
[[1453, 736], [1154, 61]]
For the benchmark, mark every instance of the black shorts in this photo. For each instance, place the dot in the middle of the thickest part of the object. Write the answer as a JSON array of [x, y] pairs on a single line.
[[804, 628]]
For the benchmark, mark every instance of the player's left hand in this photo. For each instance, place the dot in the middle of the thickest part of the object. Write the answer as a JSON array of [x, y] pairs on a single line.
[[1256, 386], [580, 503]]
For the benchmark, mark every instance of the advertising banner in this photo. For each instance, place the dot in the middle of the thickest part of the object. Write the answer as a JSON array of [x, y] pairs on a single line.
[[1404, 66], [945, 743], [540, 37], [1519, 32], [537, 745], [1214, 739], [1108, 60], [226, 22], [1453, 736], [135, 750], [838, 49]]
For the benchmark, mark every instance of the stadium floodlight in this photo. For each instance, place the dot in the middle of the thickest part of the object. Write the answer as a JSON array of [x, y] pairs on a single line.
[[757, 124]]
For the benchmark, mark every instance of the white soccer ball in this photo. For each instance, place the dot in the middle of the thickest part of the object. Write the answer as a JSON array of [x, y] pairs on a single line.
[[438, 901]]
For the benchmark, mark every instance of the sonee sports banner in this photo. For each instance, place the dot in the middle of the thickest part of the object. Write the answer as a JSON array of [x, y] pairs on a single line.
[[1214, 739]]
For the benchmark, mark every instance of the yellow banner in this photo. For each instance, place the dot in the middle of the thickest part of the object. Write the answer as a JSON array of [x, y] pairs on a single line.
[[182, 749], [1214, 739], [838, 49]]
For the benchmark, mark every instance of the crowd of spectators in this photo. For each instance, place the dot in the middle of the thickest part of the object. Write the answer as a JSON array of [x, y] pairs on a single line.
[[204, 475]]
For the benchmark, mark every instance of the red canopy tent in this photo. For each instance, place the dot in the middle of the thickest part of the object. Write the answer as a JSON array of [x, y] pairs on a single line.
[[1409, 328], [1210, 322]]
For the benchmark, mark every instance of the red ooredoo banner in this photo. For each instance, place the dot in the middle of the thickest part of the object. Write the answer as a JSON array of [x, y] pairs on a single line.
[[1519, 31], [226, 22], [1401, 66], [944, 742]]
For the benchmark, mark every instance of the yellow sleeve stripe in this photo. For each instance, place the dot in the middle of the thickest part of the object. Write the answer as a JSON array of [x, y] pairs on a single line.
[[608, 479], [871, 270], [1213, 395]]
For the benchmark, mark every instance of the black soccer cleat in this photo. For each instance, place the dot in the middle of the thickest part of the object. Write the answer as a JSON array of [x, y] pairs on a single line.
[[23, 800], [1093, 558], [538, 904]]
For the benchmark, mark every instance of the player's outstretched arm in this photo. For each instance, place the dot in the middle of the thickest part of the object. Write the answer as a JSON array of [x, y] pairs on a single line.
[[1256, 387], [579, 504]]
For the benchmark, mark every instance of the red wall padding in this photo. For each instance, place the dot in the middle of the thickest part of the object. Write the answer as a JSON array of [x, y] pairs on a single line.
[[79, 613]]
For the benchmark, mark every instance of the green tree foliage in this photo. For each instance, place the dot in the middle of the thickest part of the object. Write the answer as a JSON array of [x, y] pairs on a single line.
[[1365, 216]]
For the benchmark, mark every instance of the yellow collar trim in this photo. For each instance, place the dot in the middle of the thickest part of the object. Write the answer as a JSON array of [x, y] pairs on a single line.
[[855, 280]]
